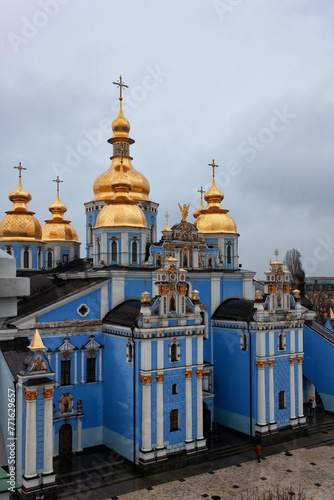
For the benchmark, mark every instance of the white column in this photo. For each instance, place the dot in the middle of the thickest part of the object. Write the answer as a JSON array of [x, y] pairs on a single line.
[[146, 413], [189, 430], [100, 366], [30, 454], [79, 447], [271, 391], [56, 384], [82, 367], [200, 438], [261, 425], [75, 368], [48, 434], [300, 387], [292, 389], [160, 411]]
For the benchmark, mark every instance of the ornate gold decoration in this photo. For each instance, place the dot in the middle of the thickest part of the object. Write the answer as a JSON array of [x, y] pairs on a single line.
[[258, 296], [271, 363], [36, 343], [31, 395], [167, 228], [160, 377], [272, 288], [292, 360], [163, 289], [145, 298], [20, 224], [200, 372], [286, 288], [66, 355], [146, 379], [260, 364], [48, 393], [182, 289], [188, 373], [66, 420], [300, 359], [184, 211], [203, 307]]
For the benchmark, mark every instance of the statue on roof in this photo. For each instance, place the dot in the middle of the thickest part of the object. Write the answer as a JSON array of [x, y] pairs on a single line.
[[184, 211]]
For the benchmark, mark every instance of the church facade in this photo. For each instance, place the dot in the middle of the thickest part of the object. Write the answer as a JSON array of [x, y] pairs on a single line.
[[143, 344]]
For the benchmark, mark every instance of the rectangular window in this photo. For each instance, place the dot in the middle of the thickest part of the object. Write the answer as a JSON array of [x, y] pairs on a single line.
[[281, 400], [65, 372], [91, 370]]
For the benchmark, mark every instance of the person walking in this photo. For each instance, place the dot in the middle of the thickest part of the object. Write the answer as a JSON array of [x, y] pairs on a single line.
[[258, 451]]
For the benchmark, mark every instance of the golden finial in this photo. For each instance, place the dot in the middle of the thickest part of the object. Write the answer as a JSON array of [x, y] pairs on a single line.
[[276, 253], [120, 84], [20, 168], [58, 181], [167, 228], [36, 343], [213, 165]]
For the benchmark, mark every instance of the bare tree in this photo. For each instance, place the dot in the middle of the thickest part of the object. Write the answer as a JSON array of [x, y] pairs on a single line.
[[294, 265]]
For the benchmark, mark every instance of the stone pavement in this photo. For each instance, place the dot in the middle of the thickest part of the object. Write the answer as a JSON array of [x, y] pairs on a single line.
[[312, 469]]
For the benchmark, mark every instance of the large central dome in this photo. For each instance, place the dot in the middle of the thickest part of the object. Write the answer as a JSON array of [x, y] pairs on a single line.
[[121, 148]]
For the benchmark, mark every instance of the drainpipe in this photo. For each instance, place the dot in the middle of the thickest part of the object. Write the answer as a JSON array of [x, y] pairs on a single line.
[[134, 397], [250, 383]]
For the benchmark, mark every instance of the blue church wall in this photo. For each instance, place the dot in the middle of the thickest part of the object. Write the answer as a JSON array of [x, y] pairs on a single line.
[[232, 384], [231, 287], [68, 312], [318, 364], [281, 383], [151, 218], [139, 249], [134, 287], [118, 397]]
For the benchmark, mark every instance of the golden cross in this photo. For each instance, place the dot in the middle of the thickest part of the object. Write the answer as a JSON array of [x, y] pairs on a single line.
[[120, 84], [213, 165], [276, 252], [20, 168], [202, 192], [58, 181], [166, 216]]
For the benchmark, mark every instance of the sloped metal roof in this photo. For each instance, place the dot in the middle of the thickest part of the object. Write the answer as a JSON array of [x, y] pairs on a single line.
[[235, 309], [125, 314]]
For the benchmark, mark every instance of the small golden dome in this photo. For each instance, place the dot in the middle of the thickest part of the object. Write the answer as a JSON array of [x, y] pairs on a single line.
[[20, 223], [215, 219], [121, 210], [201, 207], [58, 228], [121, 126]]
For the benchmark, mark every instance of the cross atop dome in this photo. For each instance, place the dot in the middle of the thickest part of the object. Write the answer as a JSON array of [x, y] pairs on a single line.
[[120, 84], [213, 165], [20, 168], [58, 181]]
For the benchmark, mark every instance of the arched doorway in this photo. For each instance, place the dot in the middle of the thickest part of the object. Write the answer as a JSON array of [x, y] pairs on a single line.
[[65, 439], [206, 421]]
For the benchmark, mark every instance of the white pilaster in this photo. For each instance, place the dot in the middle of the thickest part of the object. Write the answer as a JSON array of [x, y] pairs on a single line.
[[302, 419], [104, 300], [293, 419], [56, 383], [272, 423], [160, 448], [201, 442], [82, 367], [146, 453], [48, 473], [261, 425], [100, 366], [75, 368], [160, 354], [190, 445], [79, 448]]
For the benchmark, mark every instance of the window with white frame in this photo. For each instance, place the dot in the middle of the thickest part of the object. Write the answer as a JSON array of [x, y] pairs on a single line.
[[66, 364], [174, 351], [282, 341], [91, 371]]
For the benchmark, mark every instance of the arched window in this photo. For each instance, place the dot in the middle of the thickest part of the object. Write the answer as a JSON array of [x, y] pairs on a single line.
[[114, 251], [98, 250], [281, 400], [281, 341], [9, 252], [210, 260], [173, 352], [158, 260], [185, 260], [134, 251], [174, 420], [26, 259], [172, 306], [129, 352], [174, 389], [49, 261], [229, 254]]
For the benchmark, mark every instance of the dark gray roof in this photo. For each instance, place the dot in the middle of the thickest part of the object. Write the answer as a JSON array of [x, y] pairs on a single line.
[[15, 352], [235, 309], [321, 330], [58, 289], [125, 314]]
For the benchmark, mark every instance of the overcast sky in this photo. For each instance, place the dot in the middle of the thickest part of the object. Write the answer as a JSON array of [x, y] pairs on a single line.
[[248, 83]]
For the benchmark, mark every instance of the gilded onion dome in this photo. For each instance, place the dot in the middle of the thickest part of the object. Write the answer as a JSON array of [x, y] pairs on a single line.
[[215, 219], [121, 210], [58, 228], [121, 147], [20, 224]]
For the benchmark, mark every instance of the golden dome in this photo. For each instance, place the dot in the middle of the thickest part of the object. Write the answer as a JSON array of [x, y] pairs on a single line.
[[103, 184], [58, 228], [201, 207], [20, 223], [121, 210], [215, 219]]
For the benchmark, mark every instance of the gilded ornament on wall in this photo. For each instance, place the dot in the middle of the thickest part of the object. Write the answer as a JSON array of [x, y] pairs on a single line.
[[66, 403]]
